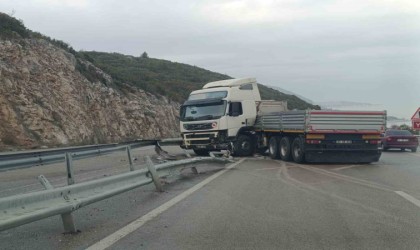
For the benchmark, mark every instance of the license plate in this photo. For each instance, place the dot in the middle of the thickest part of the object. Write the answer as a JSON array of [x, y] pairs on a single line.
[[201, 146], [402, 140], [343, 142]]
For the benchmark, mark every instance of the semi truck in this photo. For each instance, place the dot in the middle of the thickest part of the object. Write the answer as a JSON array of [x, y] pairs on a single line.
[[230, 115]]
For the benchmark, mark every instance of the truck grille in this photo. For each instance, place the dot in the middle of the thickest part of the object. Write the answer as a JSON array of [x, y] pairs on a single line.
[[198, 126], [199, 138], [196, 136]]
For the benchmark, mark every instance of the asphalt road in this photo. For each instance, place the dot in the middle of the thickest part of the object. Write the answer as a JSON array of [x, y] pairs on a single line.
[[258, 204]]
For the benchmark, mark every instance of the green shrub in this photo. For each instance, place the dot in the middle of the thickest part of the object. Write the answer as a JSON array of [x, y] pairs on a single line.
[[11, 27]]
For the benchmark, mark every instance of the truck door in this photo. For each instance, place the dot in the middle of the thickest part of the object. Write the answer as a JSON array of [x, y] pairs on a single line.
[[235, 119]]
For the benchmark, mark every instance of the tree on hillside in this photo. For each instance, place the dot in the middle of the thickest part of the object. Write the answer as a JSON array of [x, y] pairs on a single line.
[[11, 27], [144, 55]]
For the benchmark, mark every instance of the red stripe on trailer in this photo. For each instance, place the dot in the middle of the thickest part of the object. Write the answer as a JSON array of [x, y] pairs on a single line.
[[346, 113]]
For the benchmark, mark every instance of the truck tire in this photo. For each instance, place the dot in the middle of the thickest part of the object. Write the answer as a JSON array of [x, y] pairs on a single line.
[[201, 152], [244, 146], [285, 149], [273, 148], [298, 152], [414, 150]]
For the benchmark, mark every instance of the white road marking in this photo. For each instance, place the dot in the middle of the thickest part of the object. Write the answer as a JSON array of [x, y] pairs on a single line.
[[409, 198], [346, 167], [133, 226]]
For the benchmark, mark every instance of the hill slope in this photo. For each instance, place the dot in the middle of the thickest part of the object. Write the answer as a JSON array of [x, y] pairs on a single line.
[[171, 79]]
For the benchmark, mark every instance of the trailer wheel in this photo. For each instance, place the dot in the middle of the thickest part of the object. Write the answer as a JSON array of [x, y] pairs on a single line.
[[414, 150], [201, 152], [244, 146], [298, 152], [285, 148], [273, 148]]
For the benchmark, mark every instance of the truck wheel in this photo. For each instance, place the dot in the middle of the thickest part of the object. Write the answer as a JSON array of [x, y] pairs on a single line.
[[298, 152], [244, 146], [201, 152], [273, 148], [285, 149], [414, 150]]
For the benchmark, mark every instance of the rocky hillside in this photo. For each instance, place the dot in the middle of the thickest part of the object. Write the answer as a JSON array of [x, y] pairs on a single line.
[[44, 100], [51, 95]]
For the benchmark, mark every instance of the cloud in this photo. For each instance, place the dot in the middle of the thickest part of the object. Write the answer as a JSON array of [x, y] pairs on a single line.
[[63, 3], [251, 11], [377, 52], [244, 12]]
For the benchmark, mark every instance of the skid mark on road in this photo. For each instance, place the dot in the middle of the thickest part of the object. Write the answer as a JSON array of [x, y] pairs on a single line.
[[346, 178], [414, 154], [346, 167], [356, 181], [284, 176], [260, 169]]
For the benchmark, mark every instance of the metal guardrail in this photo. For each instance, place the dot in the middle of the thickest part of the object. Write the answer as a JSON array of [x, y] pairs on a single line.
[[32, 153], [25, 208], [25, 159]]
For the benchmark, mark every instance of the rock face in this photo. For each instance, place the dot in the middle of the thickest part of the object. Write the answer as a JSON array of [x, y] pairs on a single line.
[[45, 101]]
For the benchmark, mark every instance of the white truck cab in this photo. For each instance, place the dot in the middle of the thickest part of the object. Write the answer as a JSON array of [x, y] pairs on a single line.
[[213, 116]]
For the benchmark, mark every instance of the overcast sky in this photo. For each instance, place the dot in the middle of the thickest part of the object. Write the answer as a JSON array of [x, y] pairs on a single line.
[[353, 50]]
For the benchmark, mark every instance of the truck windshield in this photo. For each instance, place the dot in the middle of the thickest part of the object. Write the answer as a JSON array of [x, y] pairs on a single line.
[[199, 112]]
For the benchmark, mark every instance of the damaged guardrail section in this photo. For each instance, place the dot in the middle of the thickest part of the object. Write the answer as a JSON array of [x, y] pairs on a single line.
[[25, 208]]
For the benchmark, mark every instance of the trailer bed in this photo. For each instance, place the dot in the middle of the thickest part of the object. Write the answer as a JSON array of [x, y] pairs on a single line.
[[322, 121]]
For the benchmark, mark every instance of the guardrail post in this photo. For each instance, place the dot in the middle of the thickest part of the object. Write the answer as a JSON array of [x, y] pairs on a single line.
[[69, 165], [130, 160], [187, 154], [39, 158], [68, 223], [153, 172], [45, 183], [67, 218]]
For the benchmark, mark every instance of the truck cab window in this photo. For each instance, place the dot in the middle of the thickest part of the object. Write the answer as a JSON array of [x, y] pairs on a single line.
[[235, 109]]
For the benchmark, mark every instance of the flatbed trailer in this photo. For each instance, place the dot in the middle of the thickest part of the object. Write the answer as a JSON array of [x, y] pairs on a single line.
[[321, 135]]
